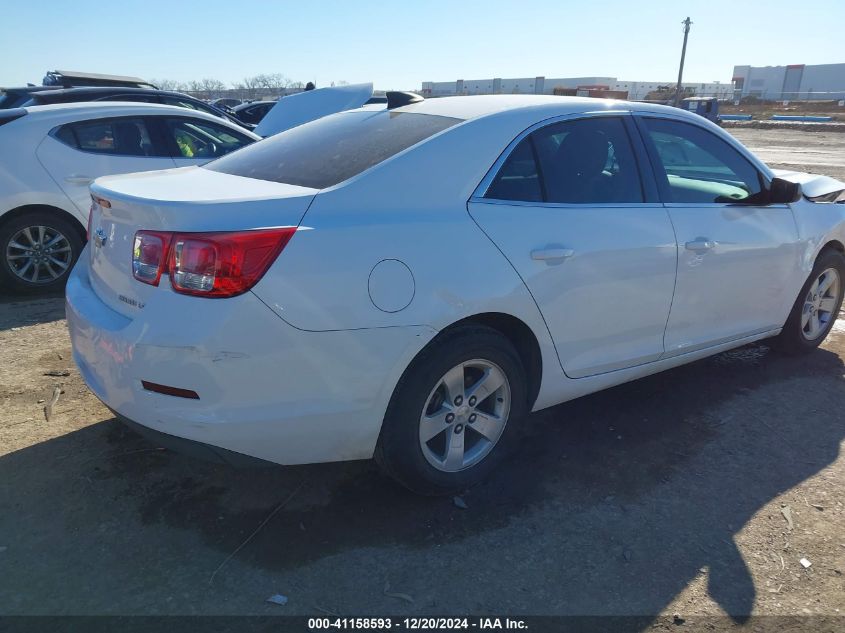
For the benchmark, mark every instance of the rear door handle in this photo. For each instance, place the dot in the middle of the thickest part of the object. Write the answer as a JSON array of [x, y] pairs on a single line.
[[79, 180], [700, 244], [552, 255]]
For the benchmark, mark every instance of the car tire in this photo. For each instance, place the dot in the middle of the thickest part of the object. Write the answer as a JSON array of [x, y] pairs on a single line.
[[486, 412], [55, 244], [814, 312]]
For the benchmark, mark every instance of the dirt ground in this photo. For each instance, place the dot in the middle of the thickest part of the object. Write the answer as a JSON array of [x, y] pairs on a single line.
[[697, 491]]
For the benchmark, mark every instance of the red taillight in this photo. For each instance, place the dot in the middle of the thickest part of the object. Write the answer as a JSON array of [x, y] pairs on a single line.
[[208, 264], [149, 256]]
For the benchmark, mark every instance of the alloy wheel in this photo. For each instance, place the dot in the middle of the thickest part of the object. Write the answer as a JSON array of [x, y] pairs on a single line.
[[39, 254], [464, 415], [820, 304]]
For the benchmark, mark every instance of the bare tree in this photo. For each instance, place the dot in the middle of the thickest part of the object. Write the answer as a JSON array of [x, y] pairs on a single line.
[[212, 88], [170, 84], [195, 88], [250, 86]]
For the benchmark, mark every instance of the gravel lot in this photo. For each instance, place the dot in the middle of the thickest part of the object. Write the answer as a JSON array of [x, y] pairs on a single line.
[[667, 495]]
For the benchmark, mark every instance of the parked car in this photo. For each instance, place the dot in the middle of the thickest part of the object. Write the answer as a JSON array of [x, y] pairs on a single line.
[[708, 107], [309, 105], [55, 79], [137, 95], [322, 296], [252, 113], [72, 78], [60, 149], [226, 103]]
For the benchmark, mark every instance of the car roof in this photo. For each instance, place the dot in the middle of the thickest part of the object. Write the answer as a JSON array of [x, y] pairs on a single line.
[[58, 91], [66, 112], [471, 107], [26, 88], [244, 106]]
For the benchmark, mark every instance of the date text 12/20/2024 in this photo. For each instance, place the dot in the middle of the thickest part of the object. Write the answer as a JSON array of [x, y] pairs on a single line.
[[413, 624]]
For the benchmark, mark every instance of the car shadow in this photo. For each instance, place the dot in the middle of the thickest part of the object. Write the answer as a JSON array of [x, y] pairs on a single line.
[[613, 505], [22, 310]]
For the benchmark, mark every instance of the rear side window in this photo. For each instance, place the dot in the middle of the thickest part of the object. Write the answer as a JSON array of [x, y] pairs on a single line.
[[330, 150], [518, 179], [587, 161], [119, 137]]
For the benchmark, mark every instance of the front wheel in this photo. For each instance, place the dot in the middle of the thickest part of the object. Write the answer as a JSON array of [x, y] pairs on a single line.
[[455, 412], [37, 252], [816, 307]]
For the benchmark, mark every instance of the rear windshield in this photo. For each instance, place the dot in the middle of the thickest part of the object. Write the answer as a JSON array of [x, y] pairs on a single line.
[[332, 149]]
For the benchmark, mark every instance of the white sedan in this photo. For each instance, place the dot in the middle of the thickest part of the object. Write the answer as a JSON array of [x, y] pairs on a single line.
[[409, 283], [52, 153]]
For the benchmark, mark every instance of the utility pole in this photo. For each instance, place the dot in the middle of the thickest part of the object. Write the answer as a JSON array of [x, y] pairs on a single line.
[[678, 90]]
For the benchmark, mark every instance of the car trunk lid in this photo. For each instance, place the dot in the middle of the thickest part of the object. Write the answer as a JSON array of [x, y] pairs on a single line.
[[311, 105], [190, 199]]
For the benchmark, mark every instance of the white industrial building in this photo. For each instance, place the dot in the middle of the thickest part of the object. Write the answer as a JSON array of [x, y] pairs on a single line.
[[795, 82], [547, 85]]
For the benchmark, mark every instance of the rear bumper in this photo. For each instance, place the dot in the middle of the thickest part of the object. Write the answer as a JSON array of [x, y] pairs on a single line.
[[193, 448], [266, 389]]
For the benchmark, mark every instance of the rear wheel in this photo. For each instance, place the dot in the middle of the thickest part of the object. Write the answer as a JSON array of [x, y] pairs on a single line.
[[37, 252], [816, 307], [455, 412]]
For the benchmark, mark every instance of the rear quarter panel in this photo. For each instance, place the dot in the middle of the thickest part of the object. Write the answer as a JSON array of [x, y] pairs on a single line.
[[412, 208]]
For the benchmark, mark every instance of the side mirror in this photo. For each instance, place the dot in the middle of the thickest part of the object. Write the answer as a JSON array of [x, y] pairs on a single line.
[[783, 191]]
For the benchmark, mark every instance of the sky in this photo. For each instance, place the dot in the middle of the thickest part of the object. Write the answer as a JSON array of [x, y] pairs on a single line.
[[398, 44]]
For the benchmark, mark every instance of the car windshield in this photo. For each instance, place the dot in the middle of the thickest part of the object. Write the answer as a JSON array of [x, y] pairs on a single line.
[[330, 150]]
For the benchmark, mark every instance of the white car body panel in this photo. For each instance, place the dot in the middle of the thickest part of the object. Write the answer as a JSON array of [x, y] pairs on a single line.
[[44, 171], [303, 107], [269, 390], [762, 242], [606, 305], [203, 201], [74, 170], [301, 368]]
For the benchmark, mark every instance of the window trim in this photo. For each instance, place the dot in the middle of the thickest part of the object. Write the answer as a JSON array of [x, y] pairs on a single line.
[[763, 172], [648, 183], [54, 133]]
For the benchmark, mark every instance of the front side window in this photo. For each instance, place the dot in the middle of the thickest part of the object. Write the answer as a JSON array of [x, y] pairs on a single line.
[[586, 161], [332, 149], [119, 137], [196, 138], [700, 167]]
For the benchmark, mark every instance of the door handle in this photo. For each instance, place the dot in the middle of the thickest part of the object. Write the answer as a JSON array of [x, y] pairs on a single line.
[[552, 255], [700, 244], [79, 180]]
